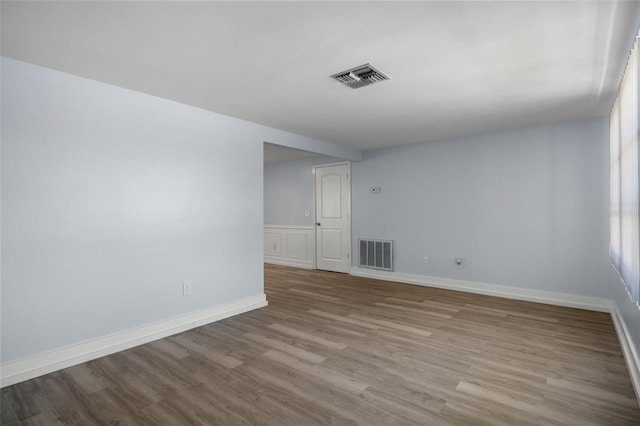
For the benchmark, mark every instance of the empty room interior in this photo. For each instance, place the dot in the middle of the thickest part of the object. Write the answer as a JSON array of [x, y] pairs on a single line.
[[319, 213]]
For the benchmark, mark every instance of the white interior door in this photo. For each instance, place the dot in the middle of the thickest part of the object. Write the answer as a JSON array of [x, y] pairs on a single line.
[[333, 222]]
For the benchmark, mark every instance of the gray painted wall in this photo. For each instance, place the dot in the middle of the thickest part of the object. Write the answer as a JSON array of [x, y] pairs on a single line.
[[288, 191], [524, 208], [112, 198]]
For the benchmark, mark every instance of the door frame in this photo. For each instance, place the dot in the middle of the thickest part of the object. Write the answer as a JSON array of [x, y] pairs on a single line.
[[315, 227]]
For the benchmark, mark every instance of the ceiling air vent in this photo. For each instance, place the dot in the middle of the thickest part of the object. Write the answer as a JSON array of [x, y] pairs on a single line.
[[363, 75]]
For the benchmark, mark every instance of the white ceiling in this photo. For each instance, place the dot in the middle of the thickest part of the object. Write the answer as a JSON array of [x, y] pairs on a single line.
[[457, 68]]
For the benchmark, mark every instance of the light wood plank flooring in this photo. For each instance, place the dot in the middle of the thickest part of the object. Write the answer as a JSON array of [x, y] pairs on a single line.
[[332, 349]]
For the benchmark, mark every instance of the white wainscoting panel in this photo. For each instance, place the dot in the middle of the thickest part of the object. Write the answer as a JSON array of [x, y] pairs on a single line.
[[290, 245], [272, 243]]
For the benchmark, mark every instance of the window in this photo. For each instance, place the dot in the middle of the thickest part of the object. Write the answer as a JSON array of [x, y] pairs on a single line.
[[624, 247]]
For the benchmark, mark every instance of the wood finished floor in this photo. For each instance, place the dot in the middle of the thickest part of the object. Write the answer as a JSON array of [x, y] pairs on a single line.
[[332, 349]]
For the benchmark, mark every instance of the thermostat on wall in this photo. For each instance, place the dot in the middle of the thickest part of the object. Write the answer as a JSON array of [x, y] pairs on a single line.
[[375, 189]]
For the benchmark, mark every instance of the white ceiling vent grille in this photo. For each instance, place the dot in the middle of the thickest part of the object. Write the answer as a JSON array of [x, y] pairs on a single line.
[[363, 75]]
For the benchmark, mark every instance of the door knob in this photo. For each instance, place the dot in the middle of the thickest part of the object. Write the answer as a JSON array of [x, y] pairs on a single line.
[[318, 223]]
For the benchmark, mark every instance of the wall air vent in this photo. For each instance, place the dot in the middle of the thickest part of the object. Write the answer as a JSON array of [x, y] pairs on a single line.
[[376, 254], [364, 75]]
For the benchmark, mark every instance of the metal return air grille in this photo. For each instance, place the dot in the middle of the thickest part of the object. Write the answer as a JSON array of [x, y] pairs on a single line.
[[376, 254], [361, 76]]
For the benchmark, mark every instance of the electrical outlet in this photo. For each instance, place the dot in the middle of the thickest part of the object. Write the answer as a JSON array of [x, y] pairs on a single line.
[[459, 261], [186, 288], [426, 259]]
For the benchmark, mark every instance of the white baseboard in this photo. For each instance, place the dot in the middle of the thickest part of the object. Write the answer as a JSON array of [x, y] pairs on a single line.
[[15, 372], [548, 297], [289, 262], [628, 349]]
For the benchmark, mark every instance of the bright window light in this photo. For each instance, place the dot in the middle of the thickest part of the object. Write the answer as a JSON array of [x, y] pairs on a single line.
[[624, 243]]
